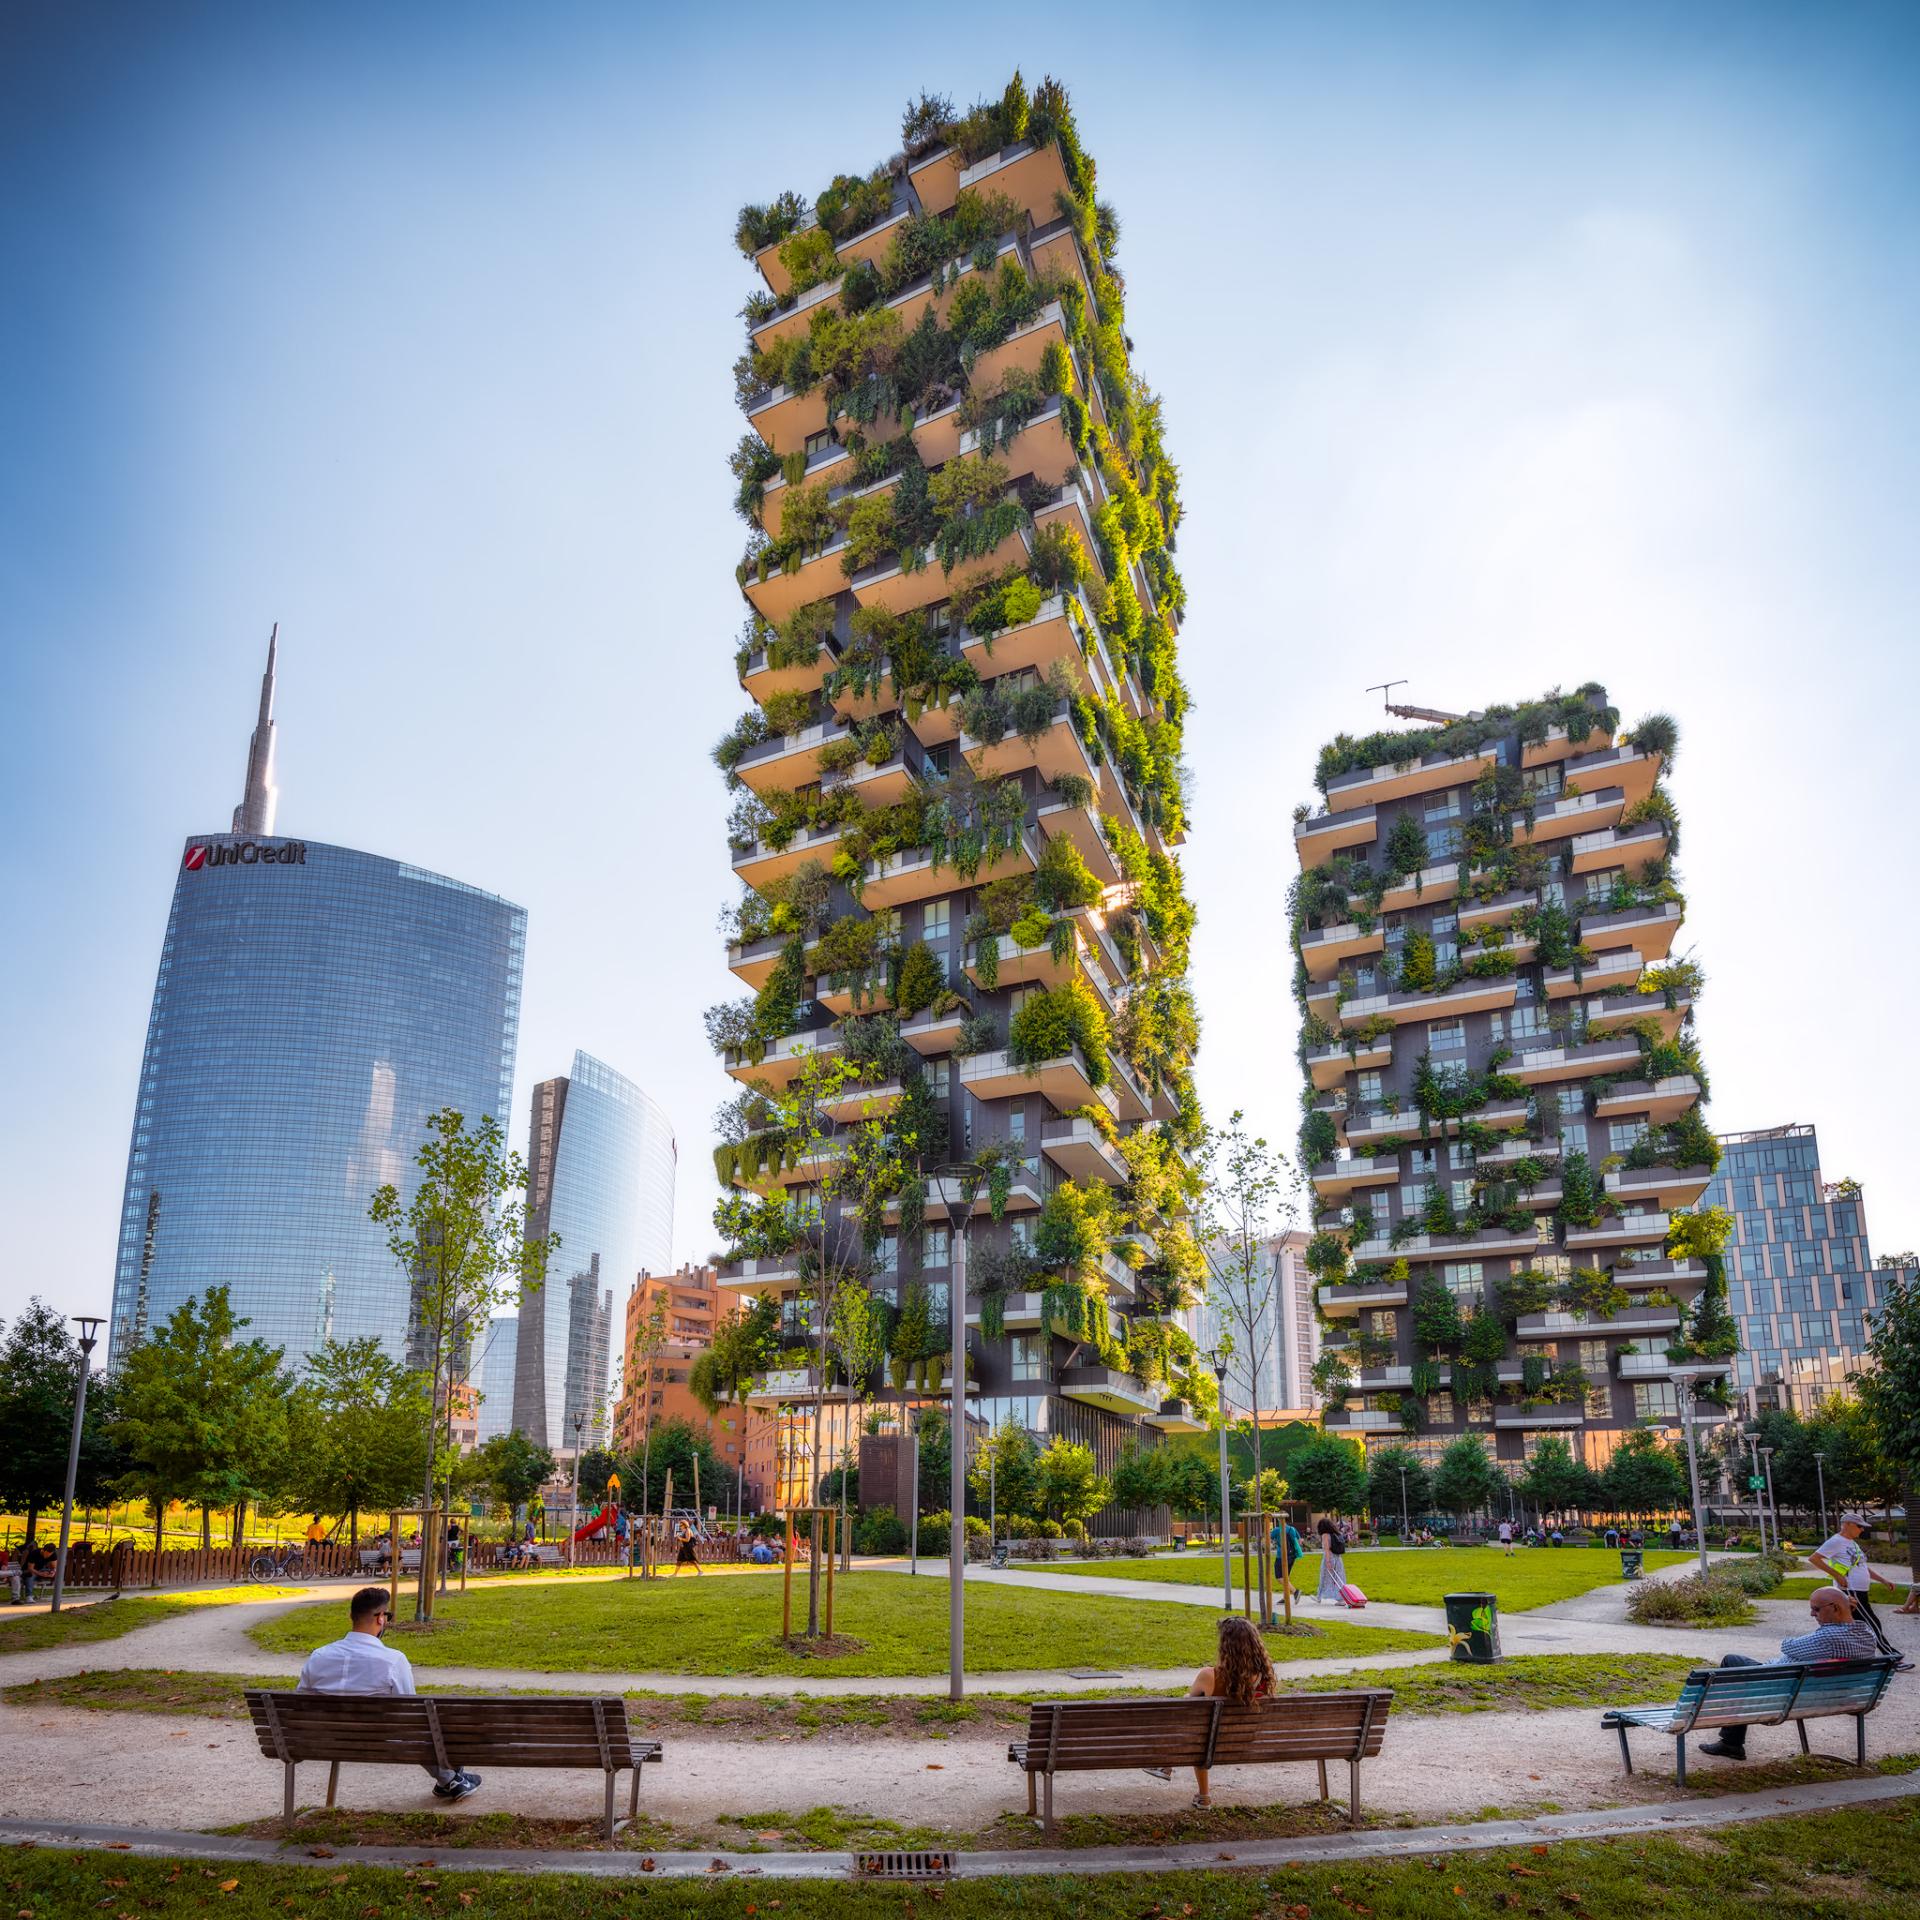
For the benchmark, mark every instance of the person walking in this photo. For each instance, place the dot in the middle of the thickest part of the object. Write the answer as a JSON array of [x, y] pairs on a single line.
[[686, 1557], [1506, 1538], [1333, 1565], [359, 1662], [1836, 1635], [1286, 1552], [1844, 1561]]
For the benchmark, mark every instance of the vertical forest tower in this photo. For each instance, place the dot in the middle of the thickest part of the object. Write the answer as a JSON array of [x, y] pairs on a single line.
[[958, 790], [1502, 1090]]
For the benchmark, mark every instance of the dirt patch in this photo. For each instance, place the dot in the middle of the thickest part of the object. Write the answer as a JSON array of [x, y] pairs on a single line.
[[828, 1646]]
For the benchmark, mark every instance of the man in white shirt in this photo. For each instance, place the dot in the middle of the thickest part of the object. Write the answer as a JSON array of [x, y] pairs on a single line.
[[1844, 1561], [359, 1662]]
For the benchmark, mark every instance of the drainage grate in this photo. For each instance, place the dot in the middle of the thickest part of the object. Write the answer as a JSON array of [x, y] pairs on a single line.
[[903, 1866]]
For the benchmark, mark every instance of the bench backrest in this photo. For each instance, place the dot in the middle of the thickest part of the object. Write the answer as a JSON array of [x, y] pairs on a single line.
[[1088, 1735], [445, 1730], [1725, 1696]]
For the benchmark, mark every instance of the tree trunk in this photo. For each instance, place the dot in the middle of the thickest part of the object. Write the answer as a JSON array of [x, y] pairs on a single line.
[[33, 1519], [813, 1492], [353, 1532], [206, 1529], [239, 1523], [1909, 1486], [159, 1534]]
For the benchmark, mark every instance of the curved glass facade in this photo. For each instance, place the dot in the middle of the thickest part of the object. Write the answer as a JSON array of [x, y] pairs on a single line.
[[595, 1148], [314, 1005]]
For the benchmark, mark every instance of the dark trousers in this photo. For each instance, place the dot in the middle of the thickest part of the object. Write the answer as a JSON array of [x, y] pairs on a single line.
[[1863, 1610], [1734, 1739]]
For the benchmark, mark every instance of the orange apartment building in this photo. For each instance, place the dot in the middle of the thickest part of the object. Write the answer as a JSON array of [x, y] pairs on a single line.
[[743, 1437]]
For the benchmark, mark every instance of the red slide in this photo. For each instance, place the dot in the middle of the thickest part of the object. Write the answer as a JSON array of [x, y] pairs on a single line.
[[604, 1519]]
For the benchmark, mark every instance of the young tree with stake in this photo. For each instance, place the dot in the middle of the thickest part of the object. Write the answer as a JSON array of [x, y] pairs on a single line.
[[462, 1242], [1247, 1197]]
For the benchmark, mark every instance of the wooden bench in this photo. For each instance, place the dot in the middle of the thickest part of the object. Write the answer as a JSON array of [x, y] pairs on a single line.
[[1092, 1736], [1762, 1697], [449, 1731], [378, 1559]]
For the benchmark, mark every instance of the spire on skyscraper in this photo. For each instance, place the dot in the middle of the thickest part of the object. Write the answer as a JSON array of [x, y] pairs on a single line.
[[255, 812]]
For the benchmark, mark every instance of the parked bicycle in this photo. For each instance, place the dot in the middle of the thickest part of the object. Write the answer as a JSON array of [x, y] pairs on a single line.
[[282, 1563]]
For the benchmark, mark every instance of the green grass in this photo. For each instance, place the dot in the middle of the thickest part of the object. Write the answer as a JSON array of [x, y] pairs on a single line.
[[733, 1626], [1534, 1577], [1528, 1683], [1846, 1861]]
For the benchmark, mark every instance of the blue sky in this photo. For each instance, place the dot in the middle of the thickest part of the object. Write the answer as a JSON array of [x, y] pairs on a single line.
[[1499, 349]]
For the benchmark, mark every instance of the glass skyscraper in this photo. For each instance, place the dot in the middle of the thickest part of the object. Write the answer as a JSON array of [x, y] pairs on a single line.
[[600, 1156], [314, 1005], [1800, 1277]]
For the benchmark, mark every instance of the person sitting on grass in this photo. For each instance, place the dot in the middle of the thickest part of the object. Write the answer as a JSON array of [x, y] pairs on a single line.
[[1241, 1673], [1836, 1635], [358, 1663]]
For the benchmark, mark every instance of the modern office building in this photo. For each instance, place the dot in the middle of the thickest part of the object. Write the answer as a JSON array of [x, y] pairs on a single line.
[[592, 1137], [314, 1005], [959, 787], [492, 1372], [1277, 1353], [1802, 1279], [1501, 1082]]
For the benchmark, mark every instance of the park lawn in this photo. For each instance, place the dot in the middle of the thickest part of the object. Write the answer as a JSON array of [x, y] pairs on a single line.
[[702, 1626], [1525, 1683], [1842, 1861], [1411, 1576]]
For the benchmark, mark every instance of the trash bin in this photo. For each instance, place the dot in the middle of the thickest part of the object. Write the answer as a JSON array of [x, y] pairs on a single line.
[[1473, 1627], [1629, 1563]]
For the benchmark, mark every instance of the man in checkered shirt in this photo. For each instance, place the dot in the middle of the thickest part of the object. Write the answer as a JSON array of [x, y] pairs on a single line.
[[1836, 1635]]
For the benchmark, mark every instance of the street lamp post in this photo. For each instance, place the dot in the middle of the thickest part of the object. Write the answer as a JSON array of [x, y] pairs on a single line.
[[1684, 1380], [1766, 1454], [1759, 1505], [1217, 1359], [89, 1332], [1405, 1524], [958, 1185], [1820, 1473], [573, 1518]]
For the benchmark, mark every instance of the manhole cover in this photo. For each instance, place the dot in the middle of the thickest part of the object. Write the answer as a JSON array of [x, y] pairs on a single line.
[[904, 1866]]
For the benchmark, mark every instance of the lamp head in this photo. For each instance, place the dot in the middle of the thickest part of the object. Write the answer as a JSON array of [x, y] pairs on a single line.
[[90, 1325]]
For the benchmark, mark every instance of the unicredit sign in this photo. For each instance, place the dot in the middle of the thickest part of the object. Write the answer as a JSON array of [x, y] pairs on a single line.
[[246, 853]]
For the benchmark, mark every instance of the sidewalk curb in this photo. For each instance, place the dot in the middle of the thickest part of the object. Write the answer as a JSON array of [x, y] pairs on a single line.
[[1407, 1842]]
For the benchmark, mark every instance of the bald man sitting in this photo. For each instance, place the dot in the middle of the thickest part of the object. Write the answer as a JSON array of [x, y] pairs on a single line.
[[1836, 1635]]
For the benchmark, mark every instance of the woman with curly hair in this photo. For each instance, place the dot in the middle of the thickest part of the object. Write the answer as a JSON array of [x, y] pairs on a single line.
[[1241, 1673]]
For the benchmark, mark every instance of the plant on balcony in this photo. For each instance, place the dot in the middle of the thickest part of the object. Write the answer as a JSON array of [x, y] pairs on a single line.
[[1417, 969], [1567, 1388], [757, 228], [1593, 1293], [1526, 1291], [1491, 964], [919, 983], [1533, 1374], [1063, 881], [1436, 1317], [1656, 809], [1657, 733], [871, 1046], [1361, 1223], [1052, 1022], [1671, 978], [1580, 1195], [1075, 1227], [1436, 1210], [1372, 1349]]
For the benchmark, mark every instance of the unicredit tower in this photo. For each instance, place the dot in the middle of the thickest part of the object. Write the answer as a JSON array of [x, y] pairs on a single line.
[[314, 1005]]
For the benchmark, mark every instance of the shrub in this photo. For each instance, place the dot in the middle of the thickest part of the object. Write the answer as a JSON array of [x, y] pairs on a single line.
[[1756, 1576], [879, 1530], [1698, 1600]]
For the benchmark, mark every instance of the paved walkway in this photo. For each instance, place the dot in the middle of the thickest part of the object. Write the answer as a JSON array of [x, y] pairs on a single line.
[[168, 1771]]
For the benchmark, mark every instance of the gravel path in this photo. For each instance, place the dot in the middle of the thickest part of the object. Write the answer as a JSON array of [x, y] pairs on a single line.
[[157, 1770]]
